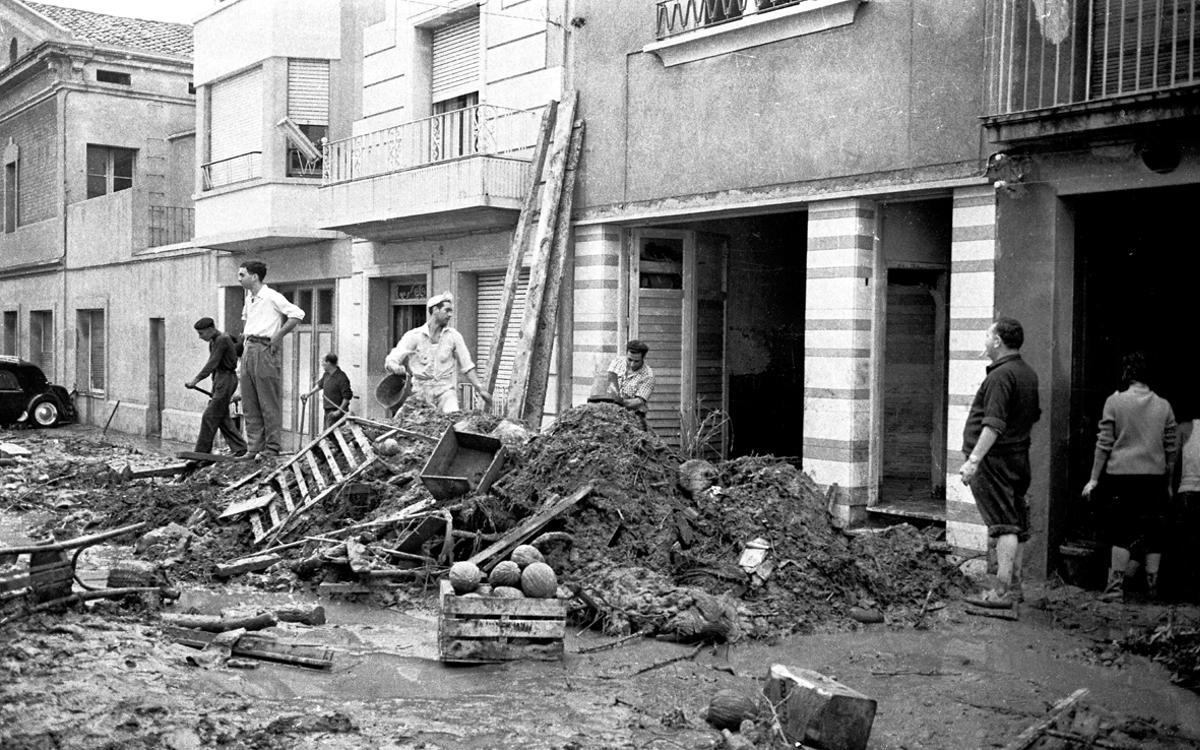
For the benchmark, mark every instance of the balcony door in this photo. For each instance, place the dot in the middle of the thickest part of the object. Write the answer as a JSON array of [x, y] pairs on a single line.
[[303, 351]]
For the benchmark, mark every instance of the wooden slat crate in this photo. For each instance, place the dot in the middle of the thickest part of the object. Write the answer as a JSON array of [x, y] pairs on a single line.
[[483, 629]]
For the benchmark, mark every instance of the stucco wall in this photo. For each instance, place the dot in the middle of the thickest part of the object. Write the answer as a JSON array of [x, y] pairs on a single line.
[[898, 88]]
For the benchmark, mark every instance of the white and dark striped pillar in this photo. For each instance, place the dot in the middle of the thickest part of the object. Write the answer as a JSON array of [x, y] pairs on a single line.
[[972, 308], [597, 308], [838, 338]]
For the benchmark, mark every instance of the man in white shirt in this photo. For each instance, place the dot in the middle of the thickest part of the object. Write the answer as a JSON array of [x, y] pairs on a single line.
[[433, 355], [267, 317]]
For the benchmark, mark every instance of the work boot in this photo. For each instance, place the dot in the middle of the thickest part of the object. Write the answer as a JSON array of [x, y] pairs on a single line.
[[1114, 591], [1152, 586]]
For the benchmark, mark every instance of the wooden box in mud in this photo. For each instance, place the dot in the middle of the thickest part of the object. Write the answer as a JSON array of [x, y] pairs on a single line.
[[483, 629], [463, 462]]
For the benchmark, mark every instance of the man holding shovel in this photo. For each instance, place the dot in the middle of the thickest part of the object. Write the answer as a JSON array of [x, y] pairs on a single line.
[[335, 391], [222, 366]]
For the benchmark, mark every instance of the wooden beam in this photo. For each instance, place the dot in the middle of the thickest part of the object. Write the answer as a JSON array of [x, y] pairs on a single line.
[[516, 252], [528, 528], [246, 565], [1031, 735], [542, 346], [539, 265], [813, 708]]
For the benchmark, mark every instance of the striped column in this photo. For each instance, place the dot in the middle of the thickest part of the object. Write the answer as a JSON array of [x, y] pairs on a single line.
[[839, 309], [597, 305], [972, 308]]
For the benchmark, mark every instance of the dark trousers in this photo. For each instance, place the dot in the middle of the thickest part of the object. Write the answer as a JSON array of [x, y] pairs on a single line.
[[216, 416]]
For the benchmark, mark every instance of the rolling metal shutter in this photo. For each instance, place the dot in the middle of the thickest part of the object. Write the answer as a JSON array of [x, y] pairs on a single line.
[[490, 286], [456, 59], [236, 115], [308, 92]]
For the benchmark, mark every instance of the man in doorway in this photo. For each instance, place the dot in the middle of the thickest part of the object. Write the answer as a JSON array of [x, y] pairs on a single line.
[[222, 366], [631, 380], [267, 317], [996, 443], [433, 355], [335, 391]]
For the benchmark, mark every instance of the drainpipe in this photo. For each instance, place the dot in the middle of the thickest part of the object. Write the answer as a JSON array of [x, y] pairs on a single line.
[[61, 116]]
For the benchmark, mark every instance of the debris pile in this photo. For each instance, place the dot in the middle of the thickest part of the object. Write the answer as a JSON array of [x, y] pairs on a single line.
[[1174, 645]]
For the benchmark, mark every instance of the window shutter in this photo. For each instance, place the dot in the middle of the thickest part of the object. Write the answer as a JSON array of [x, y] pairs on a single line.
[[97, 350], [489, 288], [236, 116], [456, 59], [308, 92]]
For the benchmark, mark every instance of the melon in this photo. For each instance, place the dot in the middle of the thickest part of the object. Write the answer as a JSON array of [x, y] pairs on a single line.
[[508, 592], [525, 554], [464, 577], [484, 590], [729, 708], [538, 581], [506, 573], [387, 447]]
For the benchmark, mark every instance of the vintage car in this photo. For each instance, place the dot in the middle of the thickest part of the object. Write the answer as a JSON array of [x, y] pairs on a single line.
[[26, 397]]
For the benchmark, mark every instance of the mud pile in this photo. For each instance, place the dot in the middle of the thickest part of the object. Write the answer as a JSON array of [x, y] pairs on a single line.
[[1174, 645], [637, 516]]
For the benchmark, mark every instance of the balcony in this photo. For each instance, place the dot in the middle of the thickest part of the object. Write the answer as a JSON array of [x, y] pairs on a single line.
[[1081, 65], [463, 170], [689, 30], [110, 228]]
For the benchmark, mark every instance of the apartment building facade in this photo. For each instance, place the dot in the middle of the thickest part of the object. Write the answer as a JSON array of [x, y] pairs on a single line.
[[372, 154], [96, 265]]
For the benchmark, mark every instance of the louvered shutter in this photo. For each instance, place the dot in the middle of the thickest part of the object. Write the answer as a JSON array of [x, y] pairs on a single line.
[[490, 286], [308, 92], [97, 350], [456, 59], [660, 326], [1137, 46], [236, 116]]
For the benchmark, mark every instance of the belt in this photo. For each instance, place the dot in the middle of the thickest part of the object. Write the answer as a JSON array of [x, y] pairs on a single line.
[[259, 339]]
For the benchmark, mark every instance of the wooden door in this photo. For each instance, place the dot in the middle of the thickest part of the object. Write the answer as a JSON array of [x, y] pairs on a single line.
[[157, 387], [303, 351]]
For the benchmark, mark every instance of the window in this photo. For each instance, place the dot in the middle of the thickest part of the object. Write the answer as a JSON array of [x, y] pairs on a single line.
[[10, 332], [10, 197], [109, 170], [8, 381], [89, 351], [112, 76], [41, 340], [308, 111]]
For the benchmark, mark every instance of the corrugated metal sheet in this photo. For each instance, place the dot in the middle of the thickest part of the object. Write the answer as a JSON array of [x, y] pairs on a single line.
[[489, 288], [236, 115], [308, 92], [456, 59]]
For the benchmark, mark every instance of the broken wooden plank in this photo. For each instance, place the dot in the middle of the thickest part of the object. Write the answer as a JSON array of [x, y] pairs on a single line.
[[351, 459], [246, 565], [282, 483], [301, 485], [356, 551], [247, 505], [1031, 735], [999, 614], [256, 528], [313, 614], [813, 708], [363, 441], [169, 470], [528, 528], [277, 531], [259, 646], [207, 457], [221, 623]]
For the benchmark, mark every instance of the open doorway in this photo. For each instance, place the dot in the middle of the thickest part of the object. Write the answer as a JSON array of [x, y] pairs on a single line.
[[157, 386]]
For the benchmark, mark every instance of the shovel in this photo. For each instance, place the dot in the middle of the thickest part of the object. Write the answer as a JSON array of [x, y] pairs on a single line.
[[198, 388]]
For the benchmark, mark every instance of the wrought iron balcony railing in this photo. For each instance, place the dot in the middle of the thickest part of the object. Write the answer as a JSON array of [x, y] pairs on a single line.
[[674, 17], [482, 129], [171, 224], [1051, 53]]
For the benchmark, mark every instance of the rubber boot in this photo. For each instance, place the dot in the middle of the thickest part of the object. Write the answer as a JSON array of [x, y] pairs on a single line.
[[1114, 591]]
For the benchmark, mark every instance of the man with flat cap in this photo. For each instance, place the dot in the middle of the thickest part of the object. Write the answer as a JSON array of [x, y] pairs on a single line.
[[222, 366], [434, 355]]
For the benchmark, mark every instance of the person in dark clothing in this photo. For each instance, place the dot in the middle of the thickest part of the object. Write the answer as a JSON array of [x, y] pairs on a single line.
[[996, 443], [335, 391], [222, 366]]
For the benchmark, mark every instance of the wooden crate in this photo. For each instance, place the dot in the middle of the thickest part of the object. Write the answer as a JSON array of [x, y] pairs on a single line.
[[463, 462], [483, 629]]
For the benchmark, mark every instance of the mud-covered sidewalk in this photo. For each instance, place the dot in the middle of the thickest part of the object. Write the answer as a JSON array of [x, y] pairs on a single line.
[[107, 675]]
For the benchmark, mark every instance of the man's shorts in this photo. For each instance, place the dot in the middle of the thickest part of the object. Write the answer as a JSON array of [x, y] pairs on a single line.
[[999, 487]]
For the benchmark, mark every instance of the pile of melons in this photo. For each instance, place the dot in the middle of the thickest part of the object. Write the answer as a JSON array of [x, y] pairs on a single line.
[[524, 575]]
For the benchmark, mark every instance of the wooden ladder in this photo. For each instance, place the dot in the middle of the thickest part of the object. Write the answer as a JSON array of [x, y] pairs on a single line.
[[336, 456], [546, 215]]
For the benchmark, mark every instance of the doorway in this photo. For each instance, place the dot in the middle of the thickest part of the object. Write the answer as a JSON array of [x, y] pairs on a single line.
[[157, 387], [303, 351]]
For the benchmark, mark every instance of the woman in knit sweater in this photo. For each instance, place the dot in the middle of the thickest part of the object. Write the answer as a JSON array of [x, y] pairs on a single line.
[[1135, 454]]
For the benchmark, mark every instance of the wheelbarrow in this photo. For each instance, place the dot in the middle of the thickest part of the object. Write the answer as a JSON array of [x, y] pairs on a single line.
[[47, 582]]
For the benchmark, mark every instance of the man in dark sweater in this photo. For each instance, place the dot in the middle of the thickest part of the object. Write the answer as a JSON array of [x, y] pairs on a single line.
[[996, 444], [222, 366], [335, 391]]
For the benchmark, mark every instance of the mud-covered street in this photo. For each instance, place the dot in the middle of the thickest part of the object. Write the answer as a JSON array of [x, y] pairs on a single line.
[[108, 675]]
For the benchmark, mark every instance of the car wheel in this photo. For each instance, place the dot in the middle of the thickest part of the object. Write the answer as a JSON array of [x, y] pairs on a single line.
[[45, 414]]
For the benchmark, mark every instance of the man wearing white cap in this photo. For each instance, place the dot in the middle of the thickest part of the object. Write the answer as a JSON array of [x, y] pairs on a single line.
[[433, 355]]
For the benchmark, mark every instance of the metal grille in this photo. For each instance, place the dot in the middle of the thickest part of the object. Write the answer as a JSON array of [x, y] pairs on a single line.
[[1049, 53], [673, 17]]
